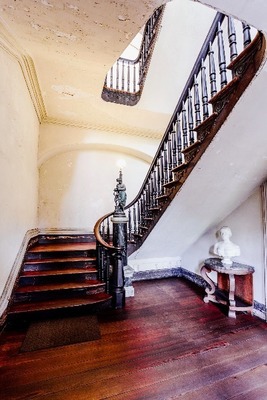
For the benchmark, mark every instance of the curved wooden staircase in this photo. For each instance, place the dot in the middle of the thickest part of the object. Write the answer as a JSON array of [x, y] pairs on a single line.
[[58, 276]]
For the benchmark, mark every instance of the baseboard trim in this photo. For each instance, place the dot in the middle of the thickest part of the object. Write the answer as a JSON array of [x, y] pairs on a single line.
[[259, 309], [5, 297]]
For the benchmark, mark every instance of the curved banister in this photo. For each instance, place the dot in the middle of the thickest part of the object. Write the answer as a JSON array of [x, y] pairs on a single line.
[[197, 117]]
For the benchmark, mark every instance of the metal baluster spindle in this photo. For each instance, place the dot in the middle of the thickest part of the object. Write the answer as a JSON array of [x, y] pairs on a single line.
[[169, 150], [155, 180], [134, 219], [204, 91], [246, 35], [212, 71], [129, 224], [232, 38], [108, 230], [221, 57], [111, 77], [134, 78], [128, 76], [162, 171], [122, 76], [184, 127], [190, 118], [196, 102], [117, 75], [165, 162], [179, 141], [158, 178], [174, 145]]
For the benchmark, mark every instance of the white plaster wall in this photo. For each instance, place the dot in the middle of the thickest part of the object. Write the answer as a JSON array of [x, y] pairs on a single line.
[[252, 12], [247, 229], [19, 129], [76, 186], [184, 28]]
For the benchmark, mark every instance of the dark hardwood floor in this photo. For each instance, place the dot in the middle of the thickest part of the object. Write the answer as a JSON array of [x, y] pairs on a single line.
[[166, 344]]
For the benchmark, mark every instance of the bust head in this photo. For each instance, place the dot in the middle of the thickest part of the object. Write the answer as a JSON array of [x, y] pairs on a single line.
[[225, 233]]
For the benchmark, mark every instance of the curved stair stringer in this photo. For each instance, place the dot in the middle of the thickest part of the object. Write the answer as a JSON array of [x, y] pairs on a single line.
[[207, 188]]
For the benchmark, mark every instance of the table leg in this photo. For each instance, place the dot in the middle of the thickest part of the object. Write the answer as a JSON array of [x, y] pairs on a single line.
[[231, 312], [209, 290]]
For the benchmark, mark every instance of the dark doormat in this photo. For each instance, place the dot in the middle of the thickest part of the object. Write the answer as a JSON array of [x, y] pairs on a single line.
[[61, 332]]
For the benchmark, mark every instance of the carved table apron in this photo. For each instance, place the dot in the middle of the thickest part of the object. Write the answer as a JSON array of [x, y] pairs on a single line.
[[234, 287]]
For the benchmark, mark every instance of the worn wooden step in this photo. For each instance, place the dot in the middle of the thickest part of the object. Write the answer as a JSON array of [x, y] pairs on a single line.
[[58, 263], [47, 305], [59, 286], [55, 272], [55, 247]]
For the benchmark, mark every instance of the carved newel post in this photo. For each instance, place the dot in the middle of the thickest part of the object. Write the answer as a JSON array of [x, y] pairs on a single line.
[[119, 221]]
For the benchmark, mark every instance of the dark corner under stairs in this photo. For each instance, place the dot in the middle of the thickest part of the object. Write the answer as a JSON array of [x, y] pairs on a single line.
[[58, 277]]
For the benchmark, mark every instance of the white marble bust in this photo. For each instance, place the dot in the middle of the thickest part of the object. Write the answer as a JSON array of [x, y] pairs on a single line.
[[224, 248]]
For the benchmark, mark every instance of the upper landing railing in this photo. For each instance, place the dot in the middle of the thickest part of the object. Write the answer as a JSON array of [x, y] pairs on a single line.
[[124, 81], [229, 59]]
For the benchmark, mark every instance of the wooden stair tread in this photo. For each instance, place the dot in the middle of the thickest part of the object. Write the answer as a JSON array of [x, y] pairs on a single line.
[[62, 247], [59, 260], [60, 303], [51, 272], [59, 286]]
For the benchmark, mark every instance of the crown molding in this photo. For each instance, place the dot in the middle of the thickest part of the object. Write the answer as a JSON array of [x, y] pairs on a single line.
[[118, 129], [13, 49]]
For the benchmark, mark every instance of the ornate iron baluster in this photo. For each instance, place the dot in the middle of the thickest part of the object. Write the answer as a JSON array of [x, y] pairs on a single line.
[[184, 127], [221, 57], [128, 76], [162, 171], [204, 91], [174, 145], [158, 178], [122, 75], [165, 162], [129, 224], [117, 74], [246, 34], [190, 118], [111, 77], [232, 38], [169, 150], [212, 71], [179, 142], [134, 219], [196, 102], [134, 78]]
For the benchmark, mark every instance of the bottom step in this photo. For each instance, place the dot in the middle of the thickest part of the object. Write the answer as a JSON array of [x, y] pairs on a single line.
[[59, 304]]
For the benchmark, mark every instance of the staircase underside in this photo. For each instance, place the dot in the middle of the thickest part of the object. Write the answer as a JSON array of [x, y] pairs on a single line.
[[232, 167]]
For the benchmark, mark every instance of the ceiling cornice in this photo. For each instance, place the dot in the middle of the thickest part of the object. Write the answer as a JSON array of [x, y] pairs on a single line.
[[11, 46], [126, 130], [13, 49]]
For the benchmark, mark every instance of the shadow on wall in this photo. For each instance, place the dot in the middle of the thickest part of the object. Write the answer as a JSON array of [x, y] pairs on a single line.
[[76, 187]]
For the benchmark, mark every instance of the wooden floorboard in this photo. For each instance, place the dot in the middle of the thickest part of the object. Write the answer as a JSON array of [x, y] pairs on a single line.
[[166, 344]]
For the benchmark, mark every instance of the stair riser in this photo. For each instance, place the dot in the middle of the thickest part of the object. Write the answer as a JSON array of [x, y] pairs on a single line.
[[59, 254], [41, 266], [50, 239], [19, 317], [45, 280], [56, 294]]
